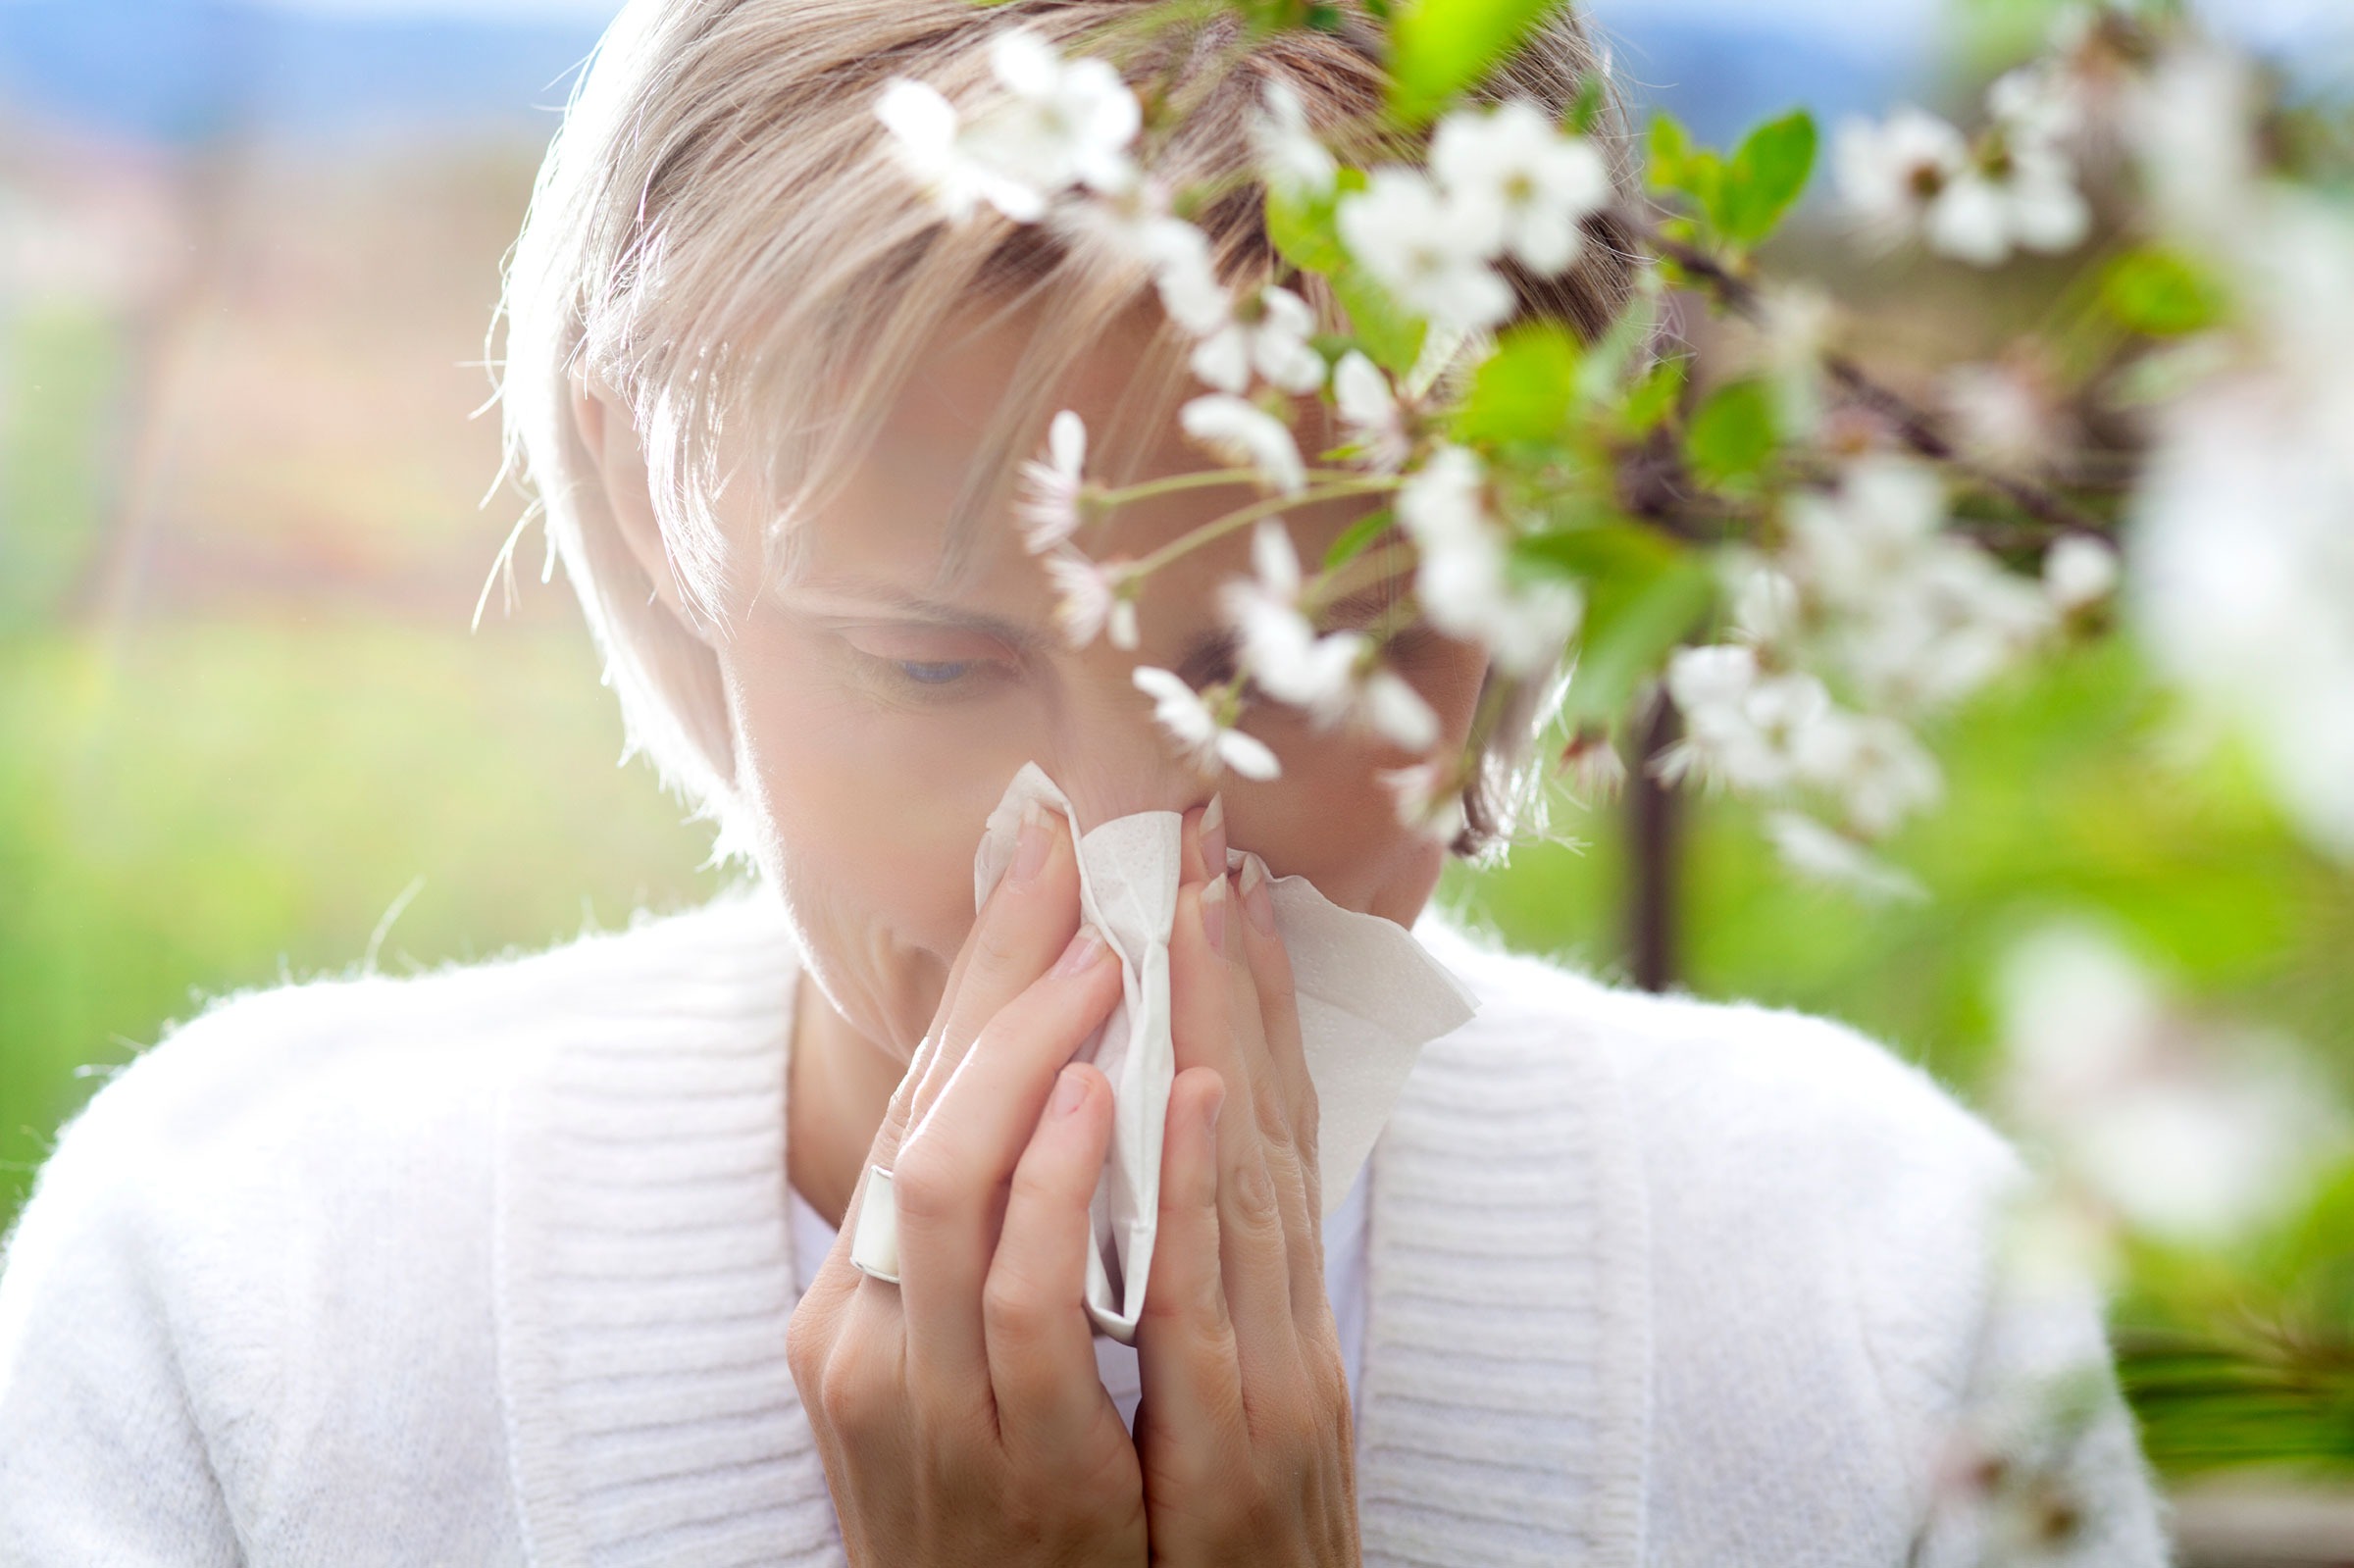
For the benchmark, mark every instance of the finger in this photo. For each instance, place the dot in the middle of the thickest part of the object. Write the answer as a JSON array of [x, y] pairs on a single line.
[[1185, 1343], [1270, 1103], [955, 1166], [1270, 965], [1203, 1001], [1204, 841], [836, 1278], [1029, 919], [1042, 1357]]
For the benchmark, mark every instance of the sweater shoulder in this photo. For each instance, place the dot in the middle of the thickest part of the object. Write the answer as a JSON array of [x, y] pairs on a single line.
[[366, 1054], [295, 1194]]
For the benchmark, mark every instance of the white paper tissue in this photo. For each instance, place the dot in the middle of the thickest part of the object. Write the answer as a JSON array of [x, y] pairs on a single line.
[[1370, 999]]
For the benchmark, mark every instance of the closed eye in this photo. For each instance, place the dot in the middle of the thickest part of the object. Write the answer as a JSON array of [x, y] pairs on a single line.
[[936, 673]]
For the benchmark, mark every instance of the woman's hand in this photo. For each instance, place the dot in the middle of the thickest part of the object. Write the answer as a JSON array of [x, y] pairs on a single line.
[[1244, 1432], [959, 1413]]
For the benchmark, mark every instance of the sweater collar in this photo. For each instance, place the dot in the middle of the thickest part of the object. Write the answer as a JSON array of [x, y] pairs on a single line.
[[646, 1277]]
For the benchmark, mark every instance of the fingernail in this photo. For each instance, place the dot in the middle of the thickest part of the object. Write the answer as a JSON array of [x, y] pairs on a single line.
[[1209, 1114], [1214, 913], [1071, 1088], [1213, 834], [1081, 956], [1258, 903], [1030, 850]]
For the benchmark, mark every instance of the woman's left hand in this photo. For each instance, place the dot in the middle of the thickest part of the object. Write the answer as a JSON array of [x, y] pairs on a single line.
[[1245, 1431]]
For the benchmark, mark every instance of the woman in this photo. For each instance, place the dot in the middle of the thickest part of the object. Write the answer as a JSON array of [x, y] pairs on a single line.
[[548, 1260]]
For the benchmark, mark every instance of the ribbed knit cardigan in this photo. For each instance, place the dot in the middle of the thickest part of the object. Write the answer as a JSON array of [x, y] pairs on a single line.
[[492, 1266]]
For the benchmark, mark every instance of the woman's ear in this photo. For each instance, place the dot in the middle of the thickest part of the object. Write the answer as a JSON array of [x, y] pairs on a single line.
[[608, 432]]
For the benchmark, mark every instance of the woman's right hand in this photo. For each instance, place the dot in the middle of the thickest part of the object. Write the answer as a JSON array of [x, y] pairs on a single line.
[[959, 1413]]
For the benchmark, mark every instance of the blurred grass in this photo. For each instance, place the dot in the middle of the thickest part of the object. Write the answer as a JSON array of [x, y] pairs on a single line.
[[222, 803]]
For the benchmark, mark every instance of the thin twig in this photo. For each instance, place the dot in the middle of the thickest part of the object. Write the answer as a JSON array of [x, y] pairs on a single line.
[[1911, 422], [1218, 527]]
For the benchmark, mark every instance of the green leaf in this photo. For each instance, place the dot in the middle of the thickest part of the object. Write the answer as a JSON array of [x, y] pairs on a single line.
[[1765, 176], [1389, 334], [1676, 163], [1670, 151], [1524, 391], [1644, 595], [1732, 436], [1354, 540], [1306, 233], [1654, 397], [1586, 112], [1440, 47], [2161, 293]]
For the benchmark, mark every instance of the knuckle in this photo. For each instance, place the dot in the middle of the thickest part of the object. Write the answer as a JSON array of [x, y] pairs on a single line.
[[1274, 1119], [807, 1334], [1012, 1308], [1255, 1206], [997, 944], [847, 1392], [923, 1186]]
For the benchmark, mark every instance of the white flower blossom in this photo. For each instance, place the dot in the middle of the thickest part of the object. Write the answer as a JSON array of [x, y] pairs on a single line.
[[2006, 414], [1813, 850], [1464, 580], [1056, 123], [1062, 122], [1878, 771], [1514, 178], [1424, 250], [2040, 104], [1190, 291], [2190, 123], [1759, 733], [2242, 556], [1429, 800], [1241, 432], [1915, 176], [1090, 600], [926, 138], [2078, 571], [1275, 345], [1766, 604], [1395, 711], [1202, 737], [1918, 619], [1330, 676], [1370, 413], [1279, 646], [1047, 505], [2183, 1132], [1740, 724], [1891, 174], [1291, 160]]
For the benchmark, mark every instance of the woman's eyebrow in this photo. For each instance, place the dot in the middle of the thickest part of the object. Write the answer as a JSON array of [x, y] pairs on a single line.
[[868, 593]]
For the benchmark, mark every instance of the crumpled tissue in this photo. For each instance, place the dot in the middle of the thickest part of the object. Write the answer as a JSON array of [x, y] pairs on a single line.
[[1370, 999]]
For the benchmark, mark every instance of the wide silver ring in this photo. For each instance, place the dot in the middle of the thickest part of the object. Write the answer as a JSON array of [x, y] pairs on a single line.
[[875, 1243]]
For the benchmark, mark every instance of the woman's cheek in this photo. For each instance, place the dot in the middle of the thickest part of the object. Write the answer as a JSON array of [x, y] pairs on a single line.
[[864, 815]]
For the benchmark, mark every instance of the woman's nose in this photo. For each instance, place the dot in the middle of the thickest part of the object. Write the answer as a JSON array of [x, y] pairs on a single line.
[[1116, 775]]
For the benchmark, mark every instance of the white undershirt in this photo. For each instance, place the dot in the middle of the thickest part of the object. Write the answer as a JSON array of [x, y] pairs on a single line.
[[1116, 1363]]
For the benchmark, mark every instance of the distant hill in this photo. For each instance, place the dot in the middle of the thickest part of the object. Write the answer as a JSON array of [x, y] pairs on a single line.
[[182, 71]]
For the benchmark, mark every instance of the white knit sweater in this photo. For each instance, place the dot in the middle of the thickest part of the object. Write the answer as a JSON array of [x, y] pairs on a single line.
[[492, 1266]]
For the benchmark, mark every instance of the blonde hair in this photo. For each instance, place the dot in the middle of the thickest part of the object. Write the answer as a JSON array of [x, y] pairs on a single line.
[[719, 235]]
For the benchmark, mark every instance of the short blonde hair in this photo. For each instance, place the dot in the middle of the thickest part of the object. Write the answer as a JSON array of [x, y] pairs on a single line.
[[718, 234]]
